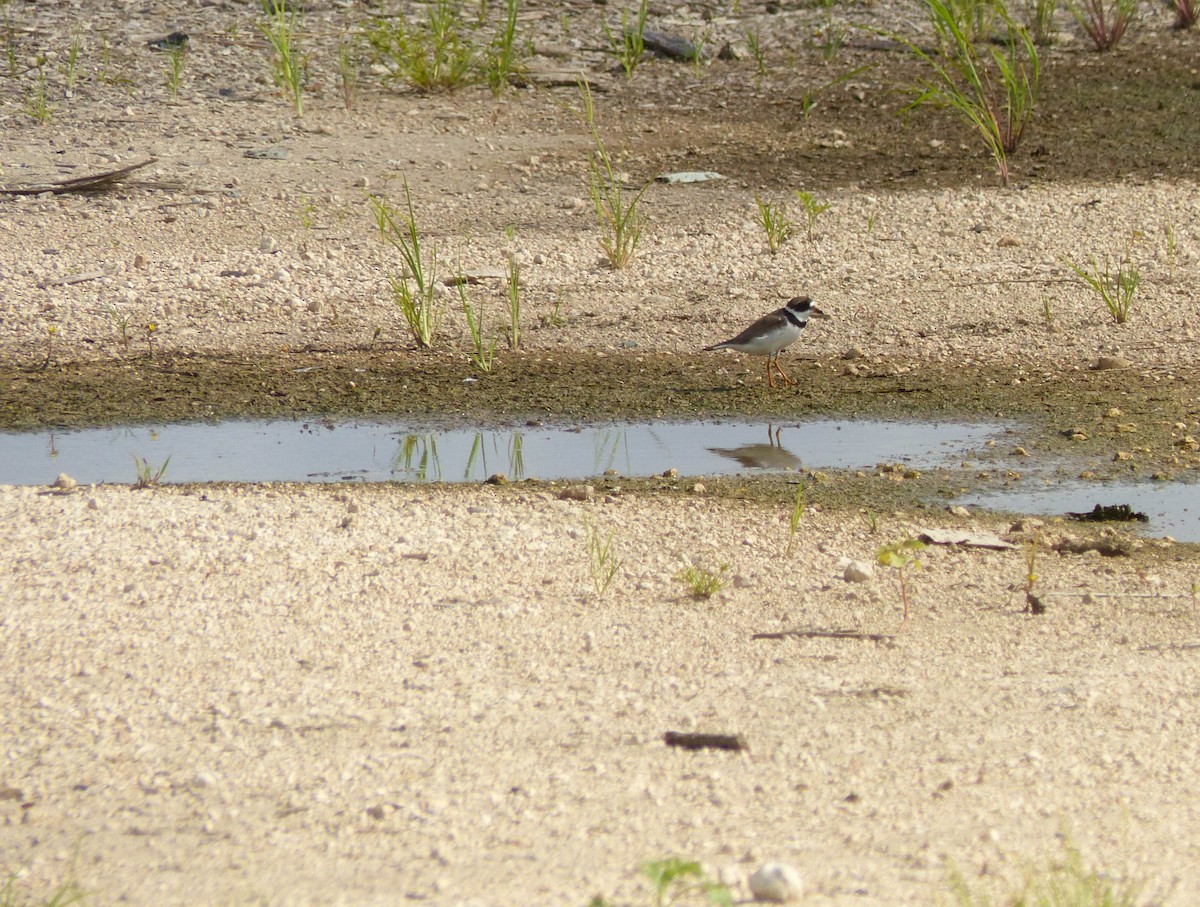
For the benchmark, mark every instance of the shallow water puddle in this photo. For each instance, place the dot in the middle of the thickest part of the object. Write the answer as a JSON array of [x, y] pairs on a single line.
[[1172, 508], [314, 451]]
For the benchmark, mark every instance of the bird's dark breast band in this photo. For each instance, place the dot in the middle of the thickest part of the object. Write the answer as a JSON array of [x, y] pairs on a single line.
[[791, 316]]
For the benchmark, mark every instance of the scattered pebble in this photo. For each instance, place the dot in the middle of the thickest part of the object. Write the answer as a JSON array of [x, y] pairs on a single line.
[[858, 572], [776, 882]]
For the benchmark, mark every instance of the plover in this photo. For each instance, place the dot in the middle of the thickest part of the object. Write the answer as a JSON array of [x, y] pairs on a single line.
[[772, 333]]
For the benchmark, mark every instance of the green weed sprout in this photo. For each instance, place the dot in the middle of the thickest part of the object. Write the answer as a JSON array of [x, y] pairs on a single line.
[[282, 29], [630, 45], [512, 285], [996, 105], [976, 18], [901, 556], [175, 60], [147, 475], [757, 51], [701, 582], [616, 206], [120, 322], [775, 222], [71, 65], [1039, 20], [503, 57], [812, 209], [37, 105], [431, 56], [674, 879], [603, 561], [1065, 883], [1115, 288], [348, 73], [413, 291], [482, 351]]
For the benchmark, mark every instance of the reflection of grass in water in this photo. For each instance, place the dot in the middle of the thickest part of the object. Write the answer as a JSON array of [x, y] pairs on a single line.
[[516, 455], [476, 452], [606, 447], [418, 456], [478, 455]]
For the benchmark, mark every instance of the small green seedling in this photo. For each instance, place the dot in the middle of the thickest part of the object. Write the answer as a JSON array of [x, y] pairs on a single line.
[[621, 221], [502, 58], [674, 879], [1115, 288], [1064, 882], [71, 65], [1033, 603], [775, 223], [901, 556], [603, 561], [512, 285], [703, 583], [483, 352], [282, 29], [348, 73], [812, 209], [151, 330], [754, 44], [147, 475], [629, 45], [414, 291], [37, 105], [175, 60]]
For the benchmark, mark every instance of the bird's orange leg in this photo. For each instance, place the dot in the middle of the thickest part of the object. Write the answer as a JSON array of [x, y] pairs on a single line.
[[787, 379], [770, 377]]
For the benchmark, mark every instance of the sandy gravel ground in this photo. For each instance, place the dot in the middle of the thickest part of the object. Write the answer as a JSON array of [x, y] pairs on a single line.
[[376, 695]]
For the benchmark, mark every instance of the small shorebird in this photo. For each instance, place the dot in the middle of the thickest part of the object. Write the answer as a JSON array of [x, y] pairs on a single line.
[[772, 333]]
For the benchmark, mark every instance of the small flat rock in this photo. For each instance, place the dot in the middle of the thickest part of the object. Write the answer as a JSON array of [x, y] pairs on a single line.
[[776, 882], [858, 572], [267, 154], [688, 176], [1108, 362], [670, 46], [963, 539], [64, 482], [578, 493]]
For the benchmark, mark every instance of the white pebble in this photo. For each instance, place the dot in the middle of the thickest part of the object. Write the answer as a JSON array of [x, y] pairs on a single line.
[[776, 882], [858, 572]]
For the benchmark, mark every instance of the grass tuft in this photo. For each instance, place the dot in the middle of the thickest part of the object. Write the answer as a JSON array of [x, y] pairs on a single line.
[[629, 45], [775, 223], [701, 582], [282, 28], [1115, 288], [995, 96], [1104, 21], [414, 291], [621, 222]]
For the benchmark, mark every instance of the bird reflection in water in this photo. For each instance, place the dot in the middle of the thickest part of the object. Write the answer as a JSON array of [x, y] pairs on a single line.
[[772, 455]]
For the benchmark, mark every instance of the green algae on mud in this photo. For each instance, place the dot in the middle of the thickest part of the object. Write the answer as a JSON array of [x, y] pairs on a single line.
[[1123, 421]]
